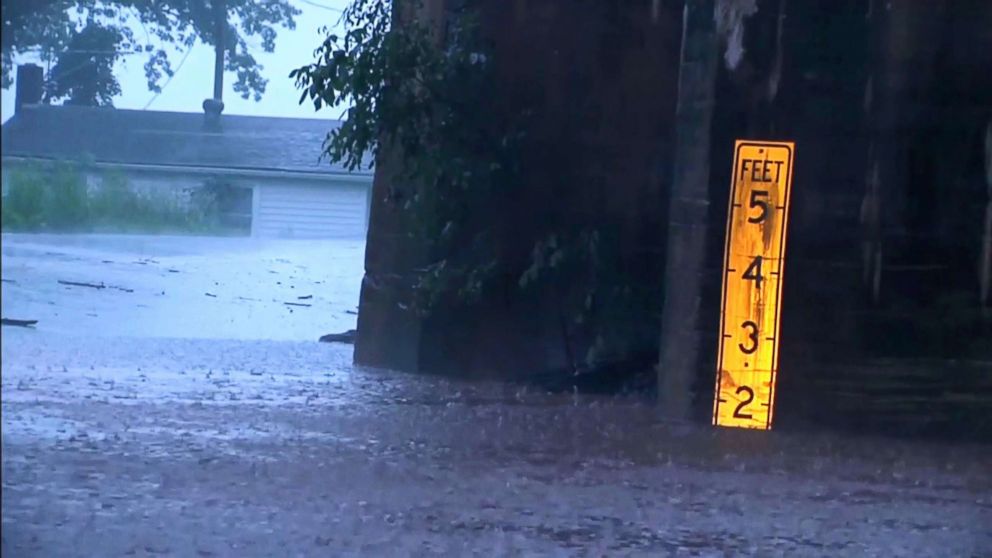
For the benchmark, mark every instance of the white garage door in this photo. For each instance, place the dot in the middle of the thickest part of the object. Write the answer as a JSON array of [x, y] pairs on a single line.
[[310, 211]]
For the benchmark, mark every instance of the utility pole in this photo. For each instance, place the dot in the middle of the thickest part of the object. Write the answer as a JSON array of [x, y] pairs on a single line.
[[220, 21], [682, 340], [213, 106]]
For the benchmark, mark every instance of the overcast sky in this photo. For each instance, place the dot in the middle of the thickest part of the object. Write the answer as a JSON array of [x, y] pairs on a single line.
[[194, 81]]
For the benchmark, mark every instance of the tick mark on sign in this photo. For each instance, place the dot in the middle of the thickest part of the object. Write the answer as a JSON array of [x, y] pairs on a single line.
[[761, 179]]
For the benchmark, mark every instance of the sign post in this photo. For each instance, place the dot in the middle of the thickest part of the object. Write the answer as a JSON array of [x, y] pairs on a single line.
[[747, 361]]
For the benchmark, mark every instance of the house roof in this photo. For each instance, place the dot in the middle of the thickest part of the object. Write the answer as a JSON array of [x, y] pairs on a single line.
[[111, 135]]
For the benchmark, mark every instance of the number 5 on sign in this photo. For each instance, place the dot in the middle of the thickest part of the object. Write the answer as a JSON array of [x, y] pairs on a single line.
[[747, 361]]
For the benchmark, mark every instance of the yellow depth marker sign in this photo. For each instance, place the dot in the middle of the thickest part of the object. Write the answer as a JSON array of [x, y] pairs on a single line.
[[747, 361]]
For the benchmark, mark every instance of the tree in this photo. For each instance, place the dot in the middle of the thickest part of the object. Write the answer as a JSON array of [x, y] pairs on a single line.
[[429, 97], [424, 90], [91, 33], [83, 74]]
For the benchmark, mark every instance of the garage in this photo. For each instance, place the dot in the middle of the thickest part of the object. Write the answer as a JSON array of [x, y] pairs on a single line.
[[325, 208]]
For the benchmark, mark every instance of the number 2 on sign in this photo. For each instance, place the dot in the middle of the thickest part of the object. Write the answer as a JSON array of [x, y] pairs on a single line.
[[747, 361]]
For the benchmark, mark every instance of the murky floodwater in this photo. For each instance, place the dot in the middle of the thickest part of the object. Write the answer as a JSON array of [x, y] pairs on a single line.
[[182, 287], [133, 444]]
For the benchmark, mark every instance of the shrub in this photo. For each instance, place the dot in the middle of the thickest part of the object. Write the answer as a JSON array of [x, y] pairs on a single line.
[[53, 198], [58, 198], [223, 204], [114, 198], [24, 205], [66, 203]]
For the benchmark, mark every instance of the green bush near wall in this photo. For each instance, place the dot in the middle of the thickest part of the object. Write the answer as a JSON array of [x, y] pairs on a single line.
[[57, 198], [25, 203]]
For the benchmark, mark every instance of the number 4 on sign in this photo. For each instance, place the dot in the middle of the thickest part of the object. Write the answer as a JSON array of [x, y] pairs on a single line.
[[752, 284], [753, 272]]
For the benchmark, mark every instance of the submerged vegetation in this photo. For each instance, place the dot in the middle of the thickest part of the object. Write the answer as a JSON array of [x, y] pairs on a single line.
[[61, 198]]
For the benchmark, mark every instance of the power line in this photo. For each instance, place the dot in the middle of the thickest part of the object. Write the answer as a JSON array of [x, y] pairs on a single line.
[[322, 6], [82, 64], [168, 81], [81, 51]]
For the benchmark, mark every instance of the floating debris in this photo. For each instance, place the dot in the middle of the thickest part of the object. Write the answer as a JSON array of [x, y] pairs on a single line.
[[18, 323]]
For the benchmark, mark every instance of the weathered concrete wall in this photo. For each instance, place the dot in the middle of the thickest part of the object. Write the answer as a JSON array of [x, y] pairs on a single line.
[[889, 104], [600, 80], [885, 239]]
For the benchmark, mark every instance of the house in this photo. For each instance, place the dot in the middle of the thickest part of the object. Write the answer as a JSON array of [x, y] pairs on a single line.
[[293, 192]]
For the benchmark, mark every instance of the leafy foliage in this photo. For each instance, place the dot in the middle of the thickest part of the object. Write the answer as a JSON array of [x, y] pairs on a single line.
[[223, 204], [83, 78], [607, 310], [429, 99], [60, 31], [59, 198], [429, 96]]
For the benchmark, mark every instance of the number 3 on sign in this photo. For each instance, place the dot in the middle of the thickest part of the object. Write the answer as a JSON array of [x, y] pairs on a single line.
[[747, 358]]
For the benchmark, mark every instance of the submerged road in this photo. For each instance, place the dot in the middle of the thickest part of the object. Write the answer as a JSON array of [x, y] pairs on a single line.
[[134, 443]]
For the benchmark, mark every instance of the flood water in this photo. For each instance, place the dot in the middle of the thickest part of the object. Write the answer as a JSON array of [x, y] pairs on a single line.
[[140, 423]]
